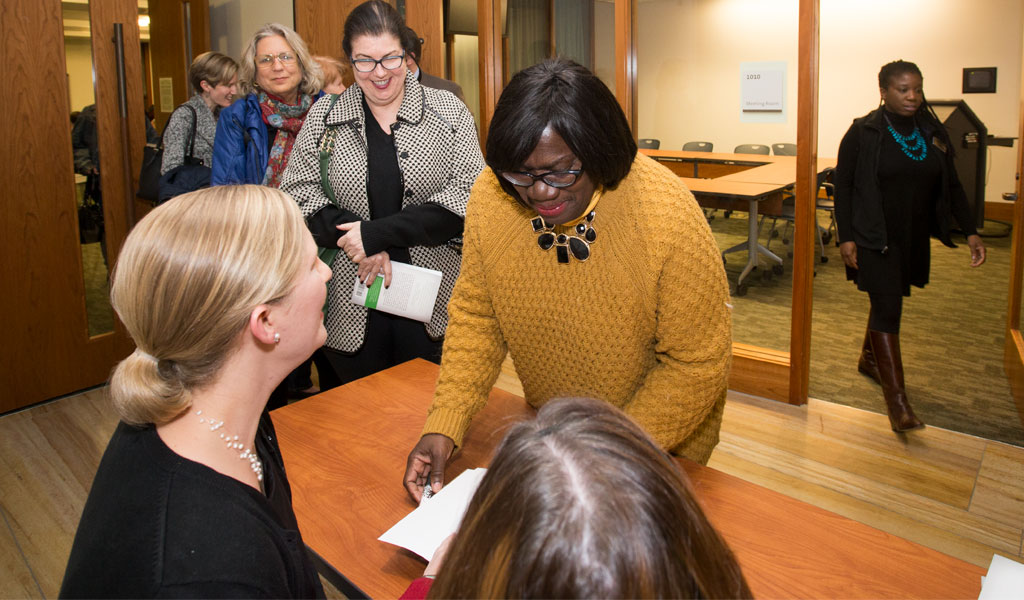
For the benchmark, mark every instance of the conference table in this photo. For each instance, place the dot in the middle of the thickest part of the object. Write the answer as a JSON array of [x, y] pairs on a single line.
[[751, 183], [345, 451]]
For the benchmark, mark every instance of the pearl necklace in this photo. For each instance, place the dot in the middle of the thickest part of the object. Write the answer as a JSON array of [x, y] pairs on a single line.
[[233, 444]]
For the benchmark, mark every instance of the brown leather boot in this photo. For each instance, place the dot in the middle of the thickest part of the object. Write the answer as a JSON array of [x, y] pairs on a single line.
[[886, 349], [867, 364]]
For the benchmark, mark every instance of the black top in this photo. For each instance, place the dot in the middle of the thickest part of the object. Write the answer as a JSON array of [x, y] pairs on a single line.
[[909, 188], [383, 177], [889, 204], [159, 525], [392, 227]]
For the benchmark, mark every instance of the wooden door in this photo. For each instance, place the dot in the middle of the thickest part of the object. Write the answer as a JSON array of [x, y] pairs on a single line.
[[321, 23], [47, 349], [179, 30], [1013, 351]]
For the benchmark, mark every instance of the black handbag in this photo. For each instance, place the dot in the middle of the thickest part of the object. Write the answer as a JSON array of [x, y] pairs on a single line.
[[90, 214], [149, 175], [190, 175]]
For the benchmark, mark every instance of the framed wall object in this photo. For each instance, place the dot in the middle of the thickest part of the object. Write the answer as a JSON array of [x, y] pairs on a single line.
[[979, 80]]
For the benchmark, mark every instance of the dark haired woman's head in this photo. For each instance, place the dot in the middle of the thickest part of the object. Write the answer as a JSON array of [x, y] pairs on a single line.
[[558, 116], [581, 503], [901, 87], [372, 18]]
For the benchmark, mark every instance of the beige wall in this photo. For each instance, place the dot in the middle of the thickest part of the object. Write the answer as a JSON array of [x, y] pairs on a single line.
[[232, 22], [78, 53], [689, 55]]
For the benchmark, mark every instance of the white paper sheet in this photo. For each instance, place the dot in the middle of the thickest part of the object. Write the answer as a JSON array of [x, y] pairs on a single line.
[[1005, 579], [423, 530]]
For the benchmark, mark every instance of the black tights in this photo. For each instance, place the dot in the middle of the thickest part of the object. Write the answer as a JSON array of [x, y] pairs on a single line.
[[886, 310]]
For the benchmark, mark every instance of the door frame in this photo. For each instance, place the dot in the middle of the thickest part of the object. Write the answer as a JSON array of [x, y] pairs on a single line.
[[1013, 343]]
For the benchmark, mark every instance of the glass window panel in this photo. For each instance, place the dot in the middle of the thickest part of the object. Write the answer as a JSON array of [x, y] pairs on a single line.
[[84, 142], [952, 331], [691, 58]]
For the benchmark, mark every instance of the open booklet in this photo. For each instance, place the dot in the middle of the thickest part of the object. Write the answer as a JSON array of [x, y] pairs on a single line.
[[423, 530], [412, 294]]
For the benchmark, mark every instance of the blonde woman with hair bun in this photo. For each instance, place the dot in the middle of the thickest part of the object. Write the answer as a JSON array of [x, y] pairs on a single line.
[[222, 292]]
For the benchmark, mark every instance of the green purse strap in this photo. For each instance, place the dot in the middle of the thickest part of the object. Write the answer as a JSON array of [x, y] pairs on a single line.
[[326, 147]]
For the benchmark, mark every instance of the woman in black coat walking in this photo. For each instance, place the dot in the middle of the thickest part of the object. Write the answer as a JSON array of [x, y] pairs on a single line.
[[896, 186]]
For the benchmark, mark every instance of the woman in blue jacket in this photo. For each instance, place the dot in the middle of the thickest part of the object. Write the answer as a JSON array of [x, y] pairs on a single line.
[[255, 136], [280, 81], [896, 187]]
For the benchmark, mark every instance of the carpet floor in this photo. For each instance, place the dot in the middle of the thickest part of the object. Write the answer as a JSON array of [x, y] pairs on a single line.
[[951, 335]]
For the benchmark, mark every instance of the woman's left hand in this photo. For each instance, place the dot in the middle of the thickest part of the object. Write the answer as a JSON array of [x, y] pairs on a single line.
[[371, 266], [351, 243], [435, 563], [977, 250]]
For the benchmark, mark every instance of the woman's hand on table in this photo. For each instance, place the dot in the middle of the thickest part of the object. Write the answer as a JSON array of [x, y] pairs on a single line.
[[849, 252], [426, 464], [372, 266], [351, 242], [977, 250], [438, 559]]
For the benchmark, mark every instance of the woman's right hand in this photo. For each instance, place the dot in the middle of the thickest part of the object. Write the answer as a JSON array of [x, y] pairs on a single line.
[[849, 252], [426, 463]]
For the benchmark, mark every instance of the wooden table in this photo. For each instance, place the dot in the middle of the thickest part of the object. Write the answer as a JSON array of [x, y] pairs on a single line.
[[753, 198], [345, 452], [738, 182]]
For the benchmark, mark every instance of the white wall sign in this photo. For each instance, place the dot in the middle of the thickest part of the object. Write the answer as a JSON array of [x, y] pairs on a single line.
[[166, 94], [762, 89]]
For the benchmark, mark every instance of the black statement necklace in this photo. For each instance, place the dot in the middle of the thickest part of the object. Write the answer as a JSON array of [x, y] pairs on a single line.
[[576, 242]]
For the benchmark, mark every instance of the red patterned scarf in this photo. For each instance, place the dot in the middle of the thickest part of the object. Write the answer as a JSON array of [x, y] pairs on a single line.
[[287, 120]]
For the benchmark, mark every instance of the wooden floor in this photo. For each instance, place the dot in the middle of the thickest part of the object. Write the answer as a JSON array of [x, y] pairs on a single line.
[[958, 494]]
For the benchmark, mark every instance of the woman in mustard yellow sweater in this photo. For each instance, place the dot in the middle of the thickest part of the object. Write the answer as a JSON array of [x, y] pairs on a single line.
[[592, 266]]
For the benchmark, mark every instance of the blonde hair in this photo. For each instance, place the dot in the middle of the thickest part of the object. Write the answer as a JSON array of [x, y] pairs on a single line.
[[186, 281], [333, 69], [212, 67], [312, 75]]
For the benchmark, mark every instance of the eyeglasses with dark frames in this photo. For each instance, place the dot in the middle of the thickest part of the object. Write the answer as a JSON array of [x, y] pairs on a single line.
[[365, 65], [555, 179]]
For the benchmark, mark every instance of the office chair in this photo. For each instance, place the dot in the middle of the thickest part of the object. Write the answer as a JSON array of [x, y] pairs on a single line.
[[752, 149], [789, 211], [827, 204], [698, 146], [784, 149], [650, 143]]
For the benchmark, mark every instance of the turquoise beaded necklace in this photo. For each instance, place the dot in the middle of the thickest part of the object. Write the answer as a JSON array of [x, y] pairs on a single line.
[[913, 145]]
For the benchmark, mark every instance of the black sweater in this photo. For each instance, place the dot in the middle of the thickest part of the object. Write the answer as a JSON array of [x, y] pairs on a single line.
[[159, 525], [859, 210]]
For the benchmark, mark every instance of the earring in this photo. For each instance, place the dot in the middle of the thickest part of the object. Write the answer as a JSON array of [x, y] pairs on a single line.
[[277, 338]]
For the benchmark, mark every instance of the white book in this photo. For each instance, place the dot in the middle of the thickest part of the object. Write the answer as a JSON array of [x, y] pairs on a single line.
[[423, 530], [412, 293]]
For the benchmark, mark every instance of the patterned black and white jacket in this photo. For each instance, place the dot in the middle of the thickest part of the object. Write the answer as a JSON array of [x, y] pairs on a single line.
[[439, 158]]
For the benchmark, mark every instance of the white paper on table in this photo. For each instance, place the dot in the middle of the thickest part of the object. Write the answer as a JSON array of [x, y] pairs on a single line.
[[412, 294], [1005, 579], [423, 530]]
